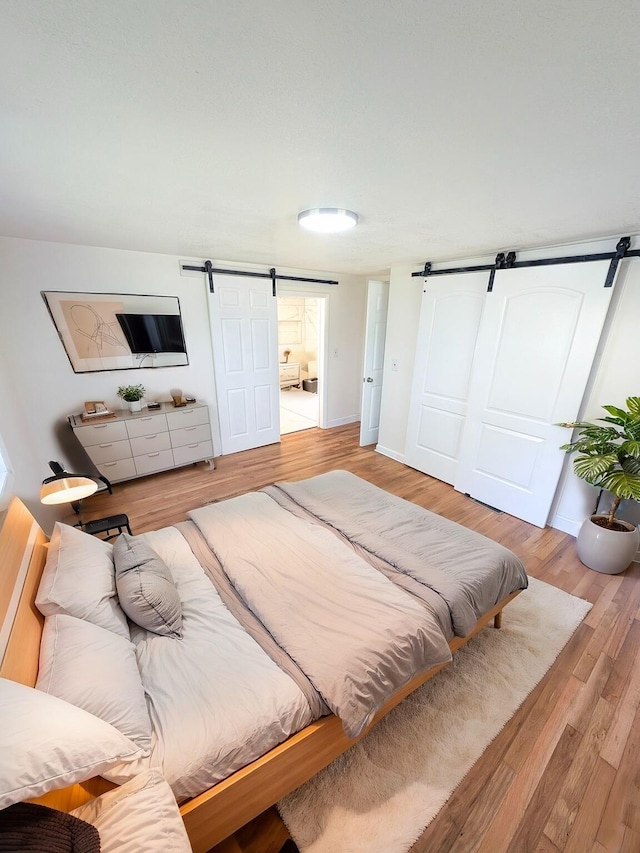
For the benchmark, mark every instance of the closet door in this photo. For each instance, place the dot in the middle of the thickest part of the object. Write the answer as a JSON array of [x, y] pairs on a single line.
[[539, 334], [244, 333], [449, 321]]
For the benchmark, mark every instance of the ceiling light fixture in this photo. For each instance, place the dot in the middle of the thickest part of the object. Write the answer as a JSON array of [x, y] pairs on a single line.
[[328, 220]]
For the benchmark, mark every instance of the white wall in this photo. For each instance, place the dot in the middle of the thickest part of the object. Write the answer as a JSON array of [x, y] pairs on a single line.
[[38, 387], [615, 375]]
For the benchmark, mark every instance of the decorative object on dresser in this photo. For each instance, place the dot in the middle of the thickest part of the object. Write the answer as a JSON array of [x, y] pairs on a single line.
[[133, 445], [178, 399], [289, 374], [132, 395]]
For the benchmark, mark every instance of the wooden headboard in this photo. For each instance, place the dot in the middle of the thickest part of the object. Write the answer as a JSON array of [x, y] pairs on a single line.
[[23, 551]]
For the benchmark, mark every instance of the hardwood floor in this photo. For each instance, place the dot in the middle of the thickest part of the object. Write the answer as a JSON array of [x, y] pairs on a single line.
[[564, 774]]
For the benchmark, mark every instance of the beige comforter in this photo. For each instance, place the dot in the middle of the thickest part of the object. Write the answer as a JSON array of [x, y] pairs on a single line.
[[356, 635], [470, 572]]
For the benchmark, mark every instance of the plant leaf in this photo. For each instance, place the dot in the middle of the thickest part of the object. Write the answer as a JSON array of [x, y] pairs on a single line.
[[633, 404], [631, 446], [616, 412], [631, 465], [591, 468], [622, 484]]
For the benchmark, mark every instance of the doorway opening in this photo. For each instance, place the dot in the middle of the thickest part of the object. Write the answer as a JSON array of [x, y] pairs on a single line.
[[300, 355]]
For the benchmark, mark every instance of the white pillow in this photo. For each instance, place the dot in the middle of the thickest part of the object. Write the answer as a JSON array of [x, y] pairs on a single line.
[[140, 817], [78, 579], [96, 670], [46, 743]]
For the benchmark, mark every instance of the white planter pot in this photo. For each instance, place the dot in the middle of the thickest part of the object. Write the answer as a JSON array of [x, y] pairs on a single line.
[[607, 551], [134, 405]]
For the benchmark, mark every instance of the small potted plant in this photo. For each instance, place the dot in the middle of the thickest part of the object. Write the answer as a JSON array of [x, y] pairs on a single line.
[[132, 395], [609, 458]]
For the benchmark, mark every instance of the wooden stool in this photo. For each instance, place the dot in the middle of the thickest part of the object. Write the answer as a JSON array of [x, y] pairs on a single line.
[[104, 525]]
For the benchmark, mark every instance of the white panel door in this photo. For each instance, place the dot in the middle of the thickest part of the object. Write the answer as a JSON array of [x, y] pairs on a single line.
[[244, 332], [538, 338], [375, 335], [449, 321]]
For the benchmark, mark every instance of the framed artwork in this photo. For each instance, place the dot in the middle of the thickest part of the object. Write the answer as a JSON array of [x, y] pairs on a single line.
[[117, 331]]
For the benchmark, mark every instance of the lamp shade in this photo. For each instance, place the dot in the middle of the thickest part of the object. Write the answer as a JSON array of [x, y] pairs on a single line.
[[328, 220], [67, 489]]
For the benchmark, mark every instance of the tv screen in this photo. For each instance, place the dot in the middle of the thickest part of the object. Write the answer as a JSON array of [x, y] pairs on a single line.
[[146, 333]]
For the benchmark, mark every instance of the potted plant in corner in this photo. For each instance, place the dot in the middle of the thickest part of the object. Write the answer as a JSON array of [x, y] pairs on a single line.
[[132, 395], [609, 458]]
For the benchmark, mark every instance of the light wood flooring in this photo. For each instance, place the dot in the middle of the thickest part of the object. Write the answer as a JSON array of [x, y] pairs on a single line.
[[564, 774]]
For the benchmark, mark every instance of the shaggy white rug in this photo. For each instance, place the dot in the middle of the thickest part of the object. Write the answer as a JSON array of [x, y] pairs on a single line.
[[380, 795]]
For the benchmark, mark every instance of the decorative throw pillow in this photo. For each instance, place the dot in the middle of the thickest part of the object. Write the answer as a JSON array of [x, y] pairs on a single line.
[[142, 816], [78, 579], [46, 743], [96, 670], [146, 588]]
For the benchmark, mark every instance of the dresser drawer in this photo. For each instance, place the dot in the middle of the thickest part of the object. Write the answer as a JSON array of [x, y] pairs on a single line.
[[188, 417], [146, 425], [289, 371], [157, 461], [109, 451], [149, 443], [193, 452], [190, 435], [122, 469], [101, 433]]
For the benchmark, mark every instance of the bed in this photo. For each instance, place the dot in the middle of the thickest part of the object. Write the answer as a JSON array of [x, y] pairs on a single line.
[[327, 569]]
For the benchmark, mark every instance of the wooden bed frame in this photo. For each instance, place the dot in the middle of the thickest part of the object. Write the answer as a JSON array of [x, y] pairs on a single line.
[[229, 805]]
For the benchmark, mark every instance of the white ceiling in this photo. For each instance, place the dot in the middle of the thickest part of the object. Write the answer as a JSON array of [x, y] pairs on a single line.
[[201, 127]]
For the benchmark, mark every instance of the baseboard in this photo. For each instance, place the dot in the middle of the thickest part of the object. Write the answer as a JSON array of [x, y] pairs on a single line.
[[566, 525], [342, 421], [386, 451]]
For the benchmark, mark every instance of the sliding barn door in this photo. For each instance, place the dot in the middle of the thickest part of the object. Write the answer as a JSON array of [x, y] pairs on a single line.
[[449, 323], [539, 333], [244, 331]]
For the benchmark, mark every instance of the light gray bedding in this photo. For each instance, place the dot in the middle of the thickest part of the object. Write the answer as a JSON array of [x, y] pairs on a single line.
[[470, 572], [355, 634]]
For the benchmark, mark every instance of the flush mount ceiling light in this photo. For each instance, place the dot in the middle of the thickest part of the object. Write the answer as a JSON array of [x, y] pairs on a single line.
[[328, 220]]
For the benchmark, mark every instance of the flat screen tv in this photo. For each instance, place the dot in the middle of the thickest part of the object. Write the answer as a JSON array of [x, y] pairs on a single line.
[[147, 333]]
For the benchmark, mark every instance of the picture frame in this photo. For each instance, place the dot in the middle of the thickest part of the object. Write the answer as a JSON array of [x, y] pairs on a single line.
[[94, 335]]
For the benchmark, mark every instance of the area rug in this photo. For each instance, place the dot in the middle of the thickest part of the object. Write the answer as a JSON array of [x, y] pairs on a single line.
[[379, 796]]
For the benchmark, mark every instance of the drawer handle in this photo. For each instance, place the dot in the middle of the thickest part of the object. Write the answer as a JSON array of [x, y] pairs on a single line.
[[109, 464], [154, 454], [106, 445], [151, 436], [150, 418], [189, 429], [190, 412], [193, 445], [100, 426]]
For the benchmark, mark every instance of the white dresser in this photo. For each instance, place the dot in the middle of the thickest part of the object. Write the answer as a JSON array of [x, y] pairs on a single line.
[[137, 443], [289, 374]]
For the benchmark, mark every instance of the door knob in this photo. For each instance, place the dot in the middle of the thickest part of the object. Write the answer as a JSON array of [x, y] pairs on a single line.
[[369, 379]]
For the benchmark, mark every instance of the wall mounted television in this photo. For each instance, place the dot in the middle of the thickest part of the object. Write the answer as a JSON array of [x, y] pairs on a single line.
[[152, 333]]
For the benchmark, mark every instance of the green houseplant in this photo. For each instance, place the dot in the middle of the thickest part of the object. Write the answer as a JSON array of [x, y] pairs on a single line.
[[132, 395], [608, 457]]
